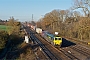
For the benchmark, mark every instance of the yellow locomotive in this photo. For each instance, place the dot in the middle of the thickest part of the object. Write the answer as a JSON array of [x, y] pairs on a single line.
[[53, 39]]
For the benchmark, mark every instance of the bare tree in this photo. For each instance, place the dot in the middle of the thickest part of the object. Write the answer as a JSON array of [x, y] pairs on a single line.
[[83, 4]]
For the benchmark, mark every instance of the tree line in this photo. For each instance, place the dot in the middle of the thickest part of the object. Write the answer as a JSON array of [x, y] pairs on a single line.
[[69, 23]]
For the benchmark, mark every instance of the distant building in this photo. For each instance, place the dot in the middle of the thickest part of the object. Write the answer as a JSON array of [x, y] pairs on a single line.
[[3, 22]]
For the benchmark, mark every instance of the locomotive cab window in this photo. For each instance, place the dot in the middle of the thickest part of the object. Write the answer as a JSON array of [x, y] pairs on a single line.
[[57, 38]]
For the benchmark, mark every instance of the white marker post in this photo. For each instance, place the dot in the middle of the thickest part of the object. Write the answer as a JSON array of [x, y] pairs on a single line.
[[26, 39]]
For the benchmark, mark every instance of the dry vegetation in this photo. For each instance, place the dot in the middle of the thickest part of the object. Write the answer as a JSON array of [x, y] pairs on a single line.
[[27, 52]]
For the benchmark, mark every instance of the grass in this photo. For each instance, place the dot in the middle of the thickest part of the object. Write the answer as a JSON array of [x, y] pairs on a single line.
[[4, 27]]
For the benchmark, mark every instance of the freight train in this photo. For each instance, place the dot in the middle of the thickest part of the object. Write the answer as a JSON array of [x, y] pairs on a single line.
[[51, 38]]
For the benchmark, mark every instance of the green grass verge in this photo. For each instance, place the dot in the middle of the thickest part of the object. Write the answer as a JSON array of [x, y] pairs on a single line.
[[4, 27]]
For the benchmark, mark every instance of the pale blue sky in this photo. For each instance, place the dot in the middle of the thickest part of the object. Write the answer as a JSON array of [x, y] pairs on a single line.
[[23, 9]]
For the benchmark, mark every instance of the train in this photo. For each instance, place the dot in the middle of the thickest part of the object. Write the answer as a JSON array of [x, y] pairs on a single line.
[[51, 38]]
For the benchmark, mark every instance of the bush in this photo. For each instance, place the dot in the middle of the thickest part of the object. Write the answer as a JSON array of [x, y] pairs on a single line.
[[3, 39]]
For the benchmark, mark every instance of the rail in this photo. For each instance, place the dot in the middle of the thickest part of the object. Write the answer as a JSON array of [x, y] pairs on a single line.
[[46, 50]]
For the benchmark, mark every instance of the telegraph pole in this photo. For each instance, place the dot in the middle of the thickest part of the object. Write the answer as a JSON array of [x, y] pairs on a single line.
[[32, 17]]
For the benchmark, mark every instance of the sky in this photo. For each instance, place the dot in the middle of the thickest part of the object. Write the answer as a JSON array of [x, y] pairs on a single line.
[[23, 9]]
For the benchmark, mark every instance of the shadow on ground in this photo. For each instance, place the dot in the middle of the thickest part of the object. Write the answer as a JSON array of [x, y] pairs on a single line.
[[66, 43]]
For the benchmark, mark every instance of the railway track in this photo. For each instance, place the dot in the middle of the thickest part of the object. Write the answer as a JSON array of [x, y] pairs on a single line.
[[82, 50], [50, 51], [45, 50], [69, 54], [76, 52]]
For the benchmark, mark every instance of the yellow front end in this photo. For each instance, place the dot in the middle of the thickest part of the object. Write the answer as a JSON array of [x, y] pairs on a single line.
[[57, 41]]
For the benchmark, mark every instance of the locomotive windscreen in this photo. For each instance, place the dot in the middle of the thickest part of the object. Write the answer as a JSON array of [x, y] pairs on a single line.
[[57, 38]]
